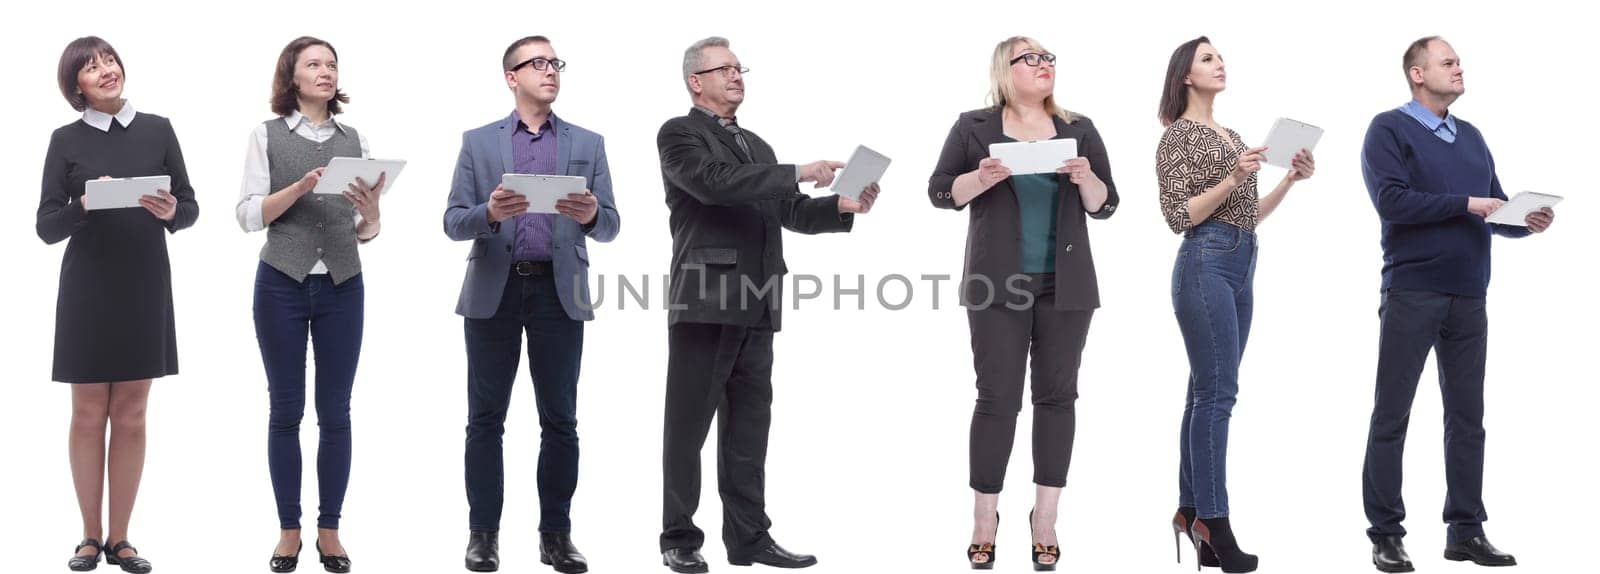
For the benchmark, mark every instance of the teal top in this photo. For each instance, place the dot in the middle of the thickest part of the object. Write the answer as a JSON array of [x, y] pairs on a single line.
[[1037, 197]]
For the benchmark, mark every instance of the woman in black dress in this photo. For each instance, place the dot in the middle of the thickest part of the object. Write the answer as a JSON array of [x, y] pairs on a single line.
[[114, 321]]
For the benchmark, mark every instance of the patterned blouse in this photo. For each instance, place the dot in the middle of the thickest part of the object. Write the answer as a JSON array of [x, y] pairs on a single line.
[[1193, 158]]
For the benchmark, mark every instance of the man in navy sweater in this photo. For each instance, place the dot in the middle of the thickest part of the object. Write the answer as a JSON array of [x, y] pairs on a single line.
[[1433, 182]]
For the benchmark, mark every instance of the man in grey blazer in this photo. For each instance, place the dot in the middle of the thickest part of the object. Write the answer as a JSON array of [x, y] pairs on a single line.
[[526, 272]]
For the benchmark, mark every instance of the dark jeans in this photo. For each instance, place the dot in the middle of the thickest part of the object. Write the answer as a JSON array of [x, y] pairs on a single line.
[[1213, 299], [726, 372], [555, 351], [1003, 339], [332, 315], [1456, 328]]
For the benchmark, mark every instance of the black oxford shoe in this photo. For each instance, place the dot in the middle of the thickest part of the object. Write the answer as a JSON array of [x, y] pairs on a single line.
[[684, 561], [483, 551], [1479, 551], [776, 557], [557, 550], [1389, 555]]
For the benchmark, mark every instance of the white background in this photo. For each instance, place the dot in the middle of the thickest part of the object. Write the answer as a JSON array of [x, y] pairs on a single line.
[[868, 465]]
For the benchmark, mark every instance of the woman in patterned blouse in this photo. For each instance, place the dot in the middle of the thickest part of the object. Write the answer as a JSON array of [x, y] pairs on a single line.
[[1208, 193]]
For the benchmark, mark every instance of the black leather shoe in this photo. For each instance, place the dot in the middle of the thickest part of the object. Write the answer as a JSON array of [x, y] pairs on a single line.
[[1389, 555], [133, 564], [87, 562], [776, 557], [684, 561], [556, 549], [337, 564], [1479, 551], [282, 564], [483, 551]]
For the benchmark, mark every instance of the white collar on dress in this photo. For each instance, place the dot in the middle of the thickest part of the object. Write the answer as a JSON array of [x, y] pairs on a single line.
[[102, 121]]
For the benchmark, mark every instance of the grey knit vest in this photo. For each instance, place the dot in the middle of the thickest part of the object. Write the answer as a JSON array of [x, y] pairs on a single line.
[[318, 226]]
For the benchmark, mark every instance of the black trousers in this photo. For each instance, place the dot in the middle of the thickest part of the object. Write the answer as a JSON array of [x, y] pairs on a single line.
[[1003, 339], [1457, 329], [726, 372], [528, 308]]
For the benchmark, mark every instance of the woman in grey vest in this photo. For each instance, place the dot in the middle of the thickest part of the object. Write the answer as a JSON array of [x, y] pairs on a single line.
[[308, 282]]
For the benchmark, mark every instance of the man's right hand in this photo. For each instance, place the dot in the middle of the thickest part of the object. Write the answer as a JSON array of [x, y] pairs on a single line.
[[1483, 206], [504, 204], [820, 172]]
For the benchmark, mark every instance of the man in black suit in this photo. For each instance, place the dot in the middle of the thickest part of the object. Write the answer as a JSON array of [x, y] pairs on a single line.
[[729, 197]]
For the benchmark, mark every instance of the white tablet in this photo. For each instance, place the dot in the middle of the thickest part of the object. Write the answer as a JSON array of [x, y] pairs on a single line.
[[1515, 212], [543, 191], [122, 192], [343, 171], [865, 168], [1287, 138], [1043, 156]]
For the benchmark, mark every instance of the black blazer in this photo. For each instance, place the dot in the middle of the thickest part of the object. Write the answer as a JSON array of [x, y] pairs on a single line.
[[994, 249], [727, 213]]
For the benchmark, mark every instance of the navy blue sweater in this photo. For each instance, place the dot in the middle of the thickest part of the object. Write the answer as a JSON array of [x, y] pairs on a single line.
[[1420, 184]]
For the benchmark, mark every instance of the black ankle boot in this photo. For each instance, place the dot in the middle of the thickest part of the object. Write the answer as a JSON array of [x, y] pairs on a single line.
[[1217, 535], [1180, 528]]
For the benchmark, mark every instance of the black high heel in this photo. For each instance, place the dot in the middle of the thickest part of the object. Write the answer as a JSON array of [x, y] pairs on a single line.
[[133, 564], [336, 564], [85, 563], [1217, 534], [1053, 551], [1180, 526], [286, 563], [973, 550]]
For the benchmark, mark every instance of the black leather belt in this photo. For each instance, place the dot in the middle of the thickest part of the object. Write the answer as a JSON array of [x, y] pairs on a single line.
[[531, 268]]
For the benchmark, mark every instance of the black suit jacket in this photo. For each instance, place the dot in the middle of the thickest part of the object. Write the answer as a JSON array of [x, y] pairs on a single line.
[[994, 249], [727, 217]]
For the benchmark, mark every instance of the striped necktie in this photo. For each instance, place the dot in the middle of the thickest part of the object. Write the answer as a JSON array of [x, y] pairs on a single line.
[[732, 126]]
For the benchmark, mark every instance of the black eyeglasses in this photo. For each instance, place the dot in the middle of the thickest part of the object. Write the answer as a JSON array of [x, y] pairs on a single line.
[[542, 63], [727, 71], [1034, 58]]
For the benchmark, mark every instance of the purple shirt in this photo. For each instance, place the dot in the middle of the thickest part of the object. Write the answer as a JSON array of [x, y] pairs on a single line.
[[534, 154]]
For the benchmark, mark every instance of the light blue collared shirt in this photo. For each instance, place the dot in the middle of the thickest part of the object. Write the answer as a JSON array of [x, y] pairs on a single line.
[[1444, 128]]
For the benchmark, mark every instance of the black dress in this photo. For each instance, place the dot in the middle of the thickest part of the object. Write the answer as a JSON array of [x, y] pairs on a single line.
[[114, 319]]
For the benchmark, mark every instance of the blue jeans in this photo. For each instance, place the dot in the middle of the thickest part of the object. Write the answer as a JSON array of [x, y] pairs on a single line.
[[332, 315], [1213, 299], [529, 307]]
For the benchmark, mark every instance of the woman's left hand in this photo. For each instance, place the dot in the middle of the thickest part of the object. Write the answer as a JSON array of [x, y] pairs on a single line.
[[365, 197], [1305, 165], [162, 205], [1077, 171]]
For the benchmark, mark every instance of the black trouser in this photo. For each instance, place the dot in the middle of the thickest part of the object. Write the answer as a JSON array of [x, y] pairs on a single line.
[[726, 372], [1456, 327], [555, 351], [1002, 341]]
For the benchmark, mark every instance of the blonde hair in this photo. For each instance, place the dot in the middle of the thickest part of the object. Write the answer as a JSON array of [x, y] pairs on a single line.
[[1001, 89]]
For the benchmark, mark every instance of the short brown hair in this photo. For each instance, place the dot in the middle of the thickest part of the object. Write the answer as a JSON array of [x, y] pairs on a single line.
[[285, 96], [505, 61], [78, 54], [1417, 56]]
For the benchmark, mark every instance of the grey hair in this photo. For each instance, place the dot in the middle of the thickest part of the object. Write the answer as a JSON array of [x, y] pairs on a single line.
[[694, 57]]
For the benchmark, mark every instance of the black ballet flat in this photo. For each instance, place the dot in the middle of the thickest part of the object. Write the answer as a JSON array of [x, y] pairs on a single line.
[[286, 563], [133, 564], [335, 564], [85, 563]]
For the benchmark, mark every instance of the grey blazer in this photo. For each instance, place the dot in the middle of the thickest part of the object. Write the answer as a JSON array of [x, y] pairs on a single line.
[[994, 249], [485, 157]]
